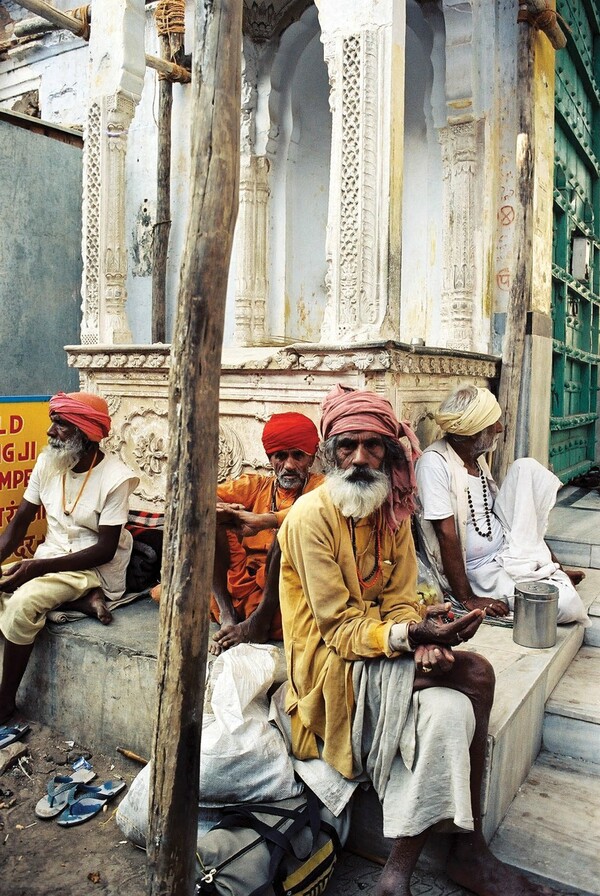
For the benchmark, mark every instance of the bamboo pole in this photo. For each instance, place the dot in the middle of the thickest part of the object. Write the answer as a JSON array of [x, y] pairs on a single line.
[[67, 22], [193, 454]]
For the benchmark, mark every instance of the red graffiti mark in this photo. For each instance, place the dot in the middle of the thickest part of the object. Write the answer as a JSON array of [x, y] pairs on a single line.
[[506, 215], [503, 279]]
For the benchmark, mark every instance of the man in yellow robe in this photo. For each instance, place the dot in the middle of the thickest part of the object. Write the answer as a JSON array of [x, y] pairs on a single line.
[[351, 617]]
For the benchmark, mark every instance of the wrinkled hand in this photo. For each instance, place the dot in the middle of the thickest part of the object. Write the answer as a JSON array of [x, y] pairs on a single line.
[[227, 514], [251, 523], [432, 658], [432, 631], [19, 573], [491, 606]]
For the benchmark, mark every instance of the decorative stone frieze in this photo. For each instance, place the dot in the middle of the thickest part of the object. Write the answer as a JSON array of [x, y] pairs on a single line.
[[135, 382]]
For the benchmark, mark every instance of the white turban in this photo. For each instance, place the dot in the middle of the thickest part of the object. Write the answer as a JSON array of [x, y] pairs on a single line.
[[481, 413]]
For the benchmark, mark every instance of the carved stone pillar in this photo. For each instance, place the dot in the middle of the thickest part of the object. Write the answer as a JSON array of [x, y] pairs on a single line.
[[364, 52], [458, 289], [461, 208], [117, 67], [252, 235]]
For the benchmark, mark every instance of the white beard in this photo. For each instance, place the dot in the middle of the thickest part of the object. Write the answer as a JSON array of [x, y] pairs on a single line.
[[357, 498], [63, 456]]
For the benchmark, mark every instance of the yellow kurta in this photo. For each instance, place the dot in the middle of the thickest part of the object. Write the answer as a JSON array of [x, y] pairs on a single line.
[[328, 622]]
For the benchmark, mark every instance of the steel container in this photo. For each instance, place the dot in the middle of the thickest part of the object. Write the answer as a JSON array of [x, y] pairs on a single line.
[[536, 609]]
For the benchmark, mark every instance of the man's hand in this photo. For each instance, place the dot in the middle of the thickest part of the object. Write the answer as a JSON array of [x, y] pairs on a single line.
[[227, 514], [432, 631], [19, 573], [491, 606], [432, 658]]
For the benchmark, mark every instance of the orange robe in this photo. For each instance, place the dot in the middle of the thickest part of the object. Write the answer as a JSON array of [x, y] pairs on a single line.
[[247, 570]]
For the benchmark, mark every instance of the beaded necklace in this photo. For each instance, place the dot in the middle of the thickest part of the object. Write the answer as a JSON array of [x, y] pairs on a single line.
[[372, 577], [81, 490], [487, 511]]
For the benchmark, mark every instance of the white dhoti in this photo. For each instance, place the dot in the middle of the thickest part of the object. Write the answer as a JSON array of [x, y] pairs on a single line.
[[415, 750], [523, 506]]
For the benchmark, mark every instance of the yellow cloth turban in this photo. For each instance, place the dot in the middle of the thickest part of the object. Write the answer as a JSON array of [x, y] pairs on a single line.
[[481, 413]]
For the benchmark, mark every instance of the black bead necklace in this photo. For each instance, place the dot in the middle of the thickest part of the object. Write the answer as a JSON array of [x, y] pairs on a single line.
[[486, 508]]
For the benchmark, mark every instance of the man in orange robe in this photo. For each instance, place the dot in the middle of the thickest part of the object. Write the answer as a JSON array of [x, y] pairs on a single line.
[[250, 510]]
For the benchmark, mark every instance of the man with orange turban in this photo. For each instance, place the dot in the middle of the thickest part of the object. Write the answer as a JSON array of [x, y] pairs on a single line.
[[374, 687], [85, 494], [481, 540], [251, 508]]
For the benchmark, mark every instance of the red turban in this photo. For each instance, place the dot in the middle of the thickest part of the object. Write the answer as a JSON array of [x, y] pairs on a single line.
[[289, 431], [350, 410], [87, 412]]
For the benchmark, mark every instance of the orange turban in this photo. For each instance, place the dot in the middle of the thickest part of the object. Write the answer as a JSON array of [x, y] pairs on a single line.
[[289, 431], [352, 410], [87, 412]]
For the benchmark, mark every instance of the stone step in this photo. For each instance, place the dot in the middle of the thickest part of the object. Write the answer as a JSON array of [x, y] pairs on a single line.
[[592, 635], [572, 718], [573, 533], [552, 828]]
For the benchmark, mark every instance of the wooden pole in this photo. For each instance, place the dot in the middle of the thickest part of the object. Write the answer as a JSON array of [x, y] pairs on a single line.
[[519, 303], [67, 22], [162, 227], [193, 454]]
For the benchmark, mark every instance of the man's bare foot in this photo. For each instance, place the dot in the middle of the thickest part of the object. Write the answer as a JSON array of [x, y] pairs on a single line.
[[481, 872], [254, 630], [93, 604], [576, 576]]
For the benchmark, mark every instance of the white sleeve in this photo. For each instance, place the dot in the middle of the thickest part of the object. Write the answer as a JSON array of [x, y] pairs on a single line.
[[116, 507], [33, 491], [434, 485]]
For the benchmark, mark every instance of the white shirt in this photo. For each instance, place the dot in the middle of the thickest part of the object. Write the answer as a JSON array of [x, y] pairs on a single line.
[[104, 502]]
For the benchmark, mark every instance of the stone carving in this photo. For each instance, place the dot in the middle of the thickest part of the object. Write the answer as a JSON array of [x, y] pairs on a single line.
[[263, 20], [251, 280], [91, 217], [231, 455], [458, 290], [141, 442], [357, 240]]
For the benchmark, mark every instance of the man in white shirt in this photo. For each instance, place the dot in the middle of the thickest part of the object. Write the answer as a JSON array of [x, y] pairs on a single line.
[[482, 541], [85, 494]]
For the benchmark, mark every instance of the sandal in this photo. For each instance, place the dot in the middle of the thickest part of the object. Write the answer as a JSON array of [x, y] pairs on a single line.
[[61, 791], [11, 733], [79, 811]]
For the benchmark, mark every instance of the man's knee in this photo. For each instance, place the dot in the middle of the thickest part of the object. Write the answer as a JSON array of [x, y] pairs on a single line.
[[476, 673]]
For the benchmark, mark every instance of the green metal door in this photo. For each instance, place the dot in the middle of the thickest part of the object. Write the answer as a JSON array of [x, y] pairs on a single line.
[[576, 249]]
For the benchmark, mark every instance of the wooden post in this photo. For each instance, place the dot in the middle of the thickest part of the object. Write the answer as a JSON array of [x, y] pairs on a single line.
[[193, 454], [162, 227], [511, 373]]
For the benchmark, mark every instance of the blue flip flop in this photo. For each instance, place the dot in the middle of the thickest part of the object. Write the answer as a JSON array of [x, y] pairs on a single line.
[[105, 791], [11, 733], [79, 811], [61, 792]]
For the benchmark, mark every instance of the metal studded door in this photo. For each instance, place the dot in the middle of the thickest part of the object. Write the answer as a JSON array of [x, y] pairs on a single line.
[[576, 249]]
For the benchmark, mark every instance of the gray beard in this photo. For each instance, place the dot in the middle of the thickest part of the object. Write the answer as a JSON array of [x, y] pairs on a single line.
[[357, 498], [63, 456]]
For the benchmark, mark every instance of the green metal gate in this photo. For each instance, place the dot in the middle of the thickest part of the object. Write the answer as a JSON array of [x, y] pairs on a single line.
[[576, 247]]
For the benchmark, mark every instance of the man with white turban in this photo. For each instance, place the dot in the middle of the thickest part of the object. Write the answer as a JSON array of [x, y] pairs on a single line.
[[85, 494], [482, 541]]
